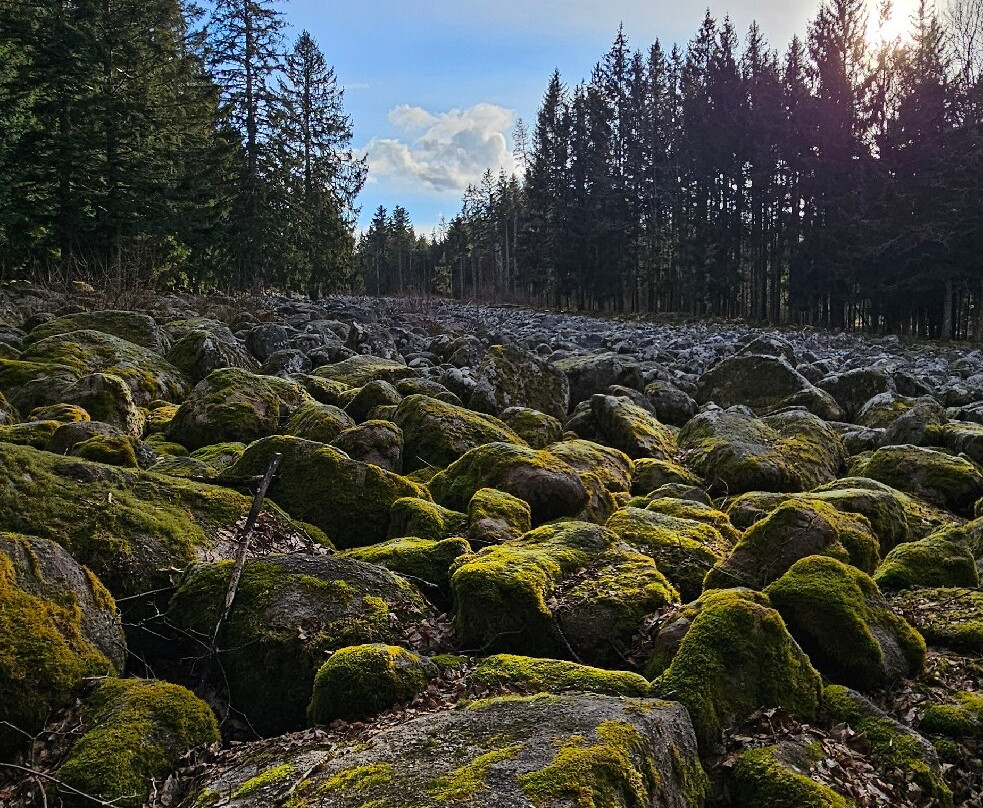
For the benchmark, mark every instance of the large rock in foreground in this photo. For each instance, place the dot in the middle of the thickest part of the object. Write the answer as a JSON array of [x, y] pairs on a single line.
[[735, 452], [511, 752]]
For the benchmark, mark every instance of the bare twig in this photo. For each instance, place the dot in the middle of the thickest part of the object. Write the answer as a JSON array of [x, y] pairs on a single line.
[[34, 773]]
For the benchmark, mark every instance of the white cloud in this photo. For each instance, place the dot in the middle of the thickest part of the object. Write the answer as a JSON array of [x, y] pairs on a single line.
[[452, 150]]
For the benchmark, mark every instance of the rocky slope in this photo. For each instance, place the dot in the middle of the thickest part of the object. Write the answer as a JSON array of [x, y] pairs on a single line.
[[509, 558]]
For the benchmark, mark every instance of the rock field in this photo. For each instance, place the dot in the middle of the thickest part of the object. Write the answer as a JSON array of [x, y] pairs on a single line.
[[508, 559]]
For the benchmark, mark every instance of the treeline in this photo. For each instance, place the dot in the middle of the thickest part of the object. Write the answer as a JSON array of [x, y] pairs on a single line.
[[143, 142], [836, 184]]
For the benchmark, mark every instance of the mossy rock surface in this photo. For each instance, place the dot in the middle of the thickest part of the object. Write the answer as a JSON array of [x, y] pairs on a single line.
[[347, 499], [36, 434], [137, 732], [698, 511], [360, 370], [132, 326], [651, 473], [764, 781], [524, 597], [113, 450], [550, 486], [57, 626], [684, 550], [795, 530], [28, 385], [371, 397], [765, 384], [107, 398], [892, 743], [940, 478], [537, 675], [127, 526], [426, 562], [290, 612], [219, 456], [513, 752], [536, 428], [376, 441], [421, 518], [206, 347], [63, 413], [436, 433], [148, 375], [605, 472], [511, 377], [595, 373], [626, 426], [734, 452], [962, 719], [854, 388], [935, 561], [839, 617], [360, 681], [946, 617], [495, 516], [318, 422], [736, 657], [234, 405]]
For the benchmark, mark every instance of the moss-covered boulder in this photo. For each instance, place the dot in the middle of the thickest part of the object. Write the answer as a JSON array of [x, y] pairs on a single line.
[[113, 450], [436, 433], [290, 612], [537, 675], [605, 473], [357, 371], [735, 452], [347, 499], [935, 561], [962, 719], [765, 384], [946, 617], [495, 517], [63, 413], [37, 434], [147, 374], [137, 731], [854, 388], [838, 616], [940, 478], [684, 550], [363, 680], [761, 778], [682, 503], [671, 405], [8, 415], [632, 429], [510, 377], [511, 752], [132, 326], [426, 562], [58, 625], [377, 442], [651, 473], [421, 518], [736, 657], [208, 346], [551, 487], [129, 527], [595, 373], [796, 530], [884, 409], [891, 743], [370, 396], [319, 422], [561, 588], [235, 405], [536, 428], [219, 456], [29, 385], [107, 398]]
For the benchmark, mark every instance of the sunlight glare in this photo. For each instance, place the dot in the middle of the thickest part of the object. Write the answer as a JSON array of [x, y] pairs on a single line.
[[898, 25]]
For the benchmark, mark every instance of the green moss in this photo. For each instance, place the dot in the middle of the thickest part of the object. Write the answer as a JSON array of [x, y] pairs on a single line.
[[422, 560], [360, 681], [613, 771], [536, 428], [271, 777], [63, 413], [683, 549], [837, 614], [33, 433], [934, 561], [554, 675], [464, 782], [951, 618], [651, 473], [891, 744], [357, 778], [698, 512], [158, 419], [357, 371], [495, 516], [318, 422], [220, 456], [421, 518], [736, 657], [139, 730], [162, 446], [113, 450], [764, 782], [961, 720], [44, 655]]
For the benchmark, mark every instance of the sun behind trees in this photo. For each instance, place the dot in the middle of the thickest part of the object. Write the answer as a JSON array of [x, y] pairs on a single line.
[[839, 184], [143, 145]]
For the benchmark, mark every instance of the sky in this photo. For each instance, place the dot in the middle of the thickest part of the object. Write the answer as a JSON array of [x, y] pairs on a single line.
[[434, 87]]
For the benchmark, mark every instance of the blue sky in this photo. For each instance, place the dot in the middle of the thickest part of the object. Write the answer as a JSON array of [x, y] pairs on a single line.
[[434, 87]]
